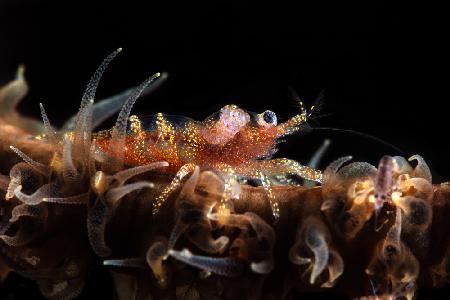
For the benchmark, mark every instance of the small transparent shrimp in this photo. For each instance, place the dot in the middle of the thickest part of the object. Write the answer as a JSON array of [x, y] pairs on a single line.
[[383, 185], [232, 142]]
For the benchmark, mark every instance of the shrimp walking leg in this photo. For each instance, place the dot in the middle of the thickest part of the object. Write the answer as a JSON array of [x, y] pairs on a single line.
[[268, 188], [286, 166], [176, 182], [231, 186]]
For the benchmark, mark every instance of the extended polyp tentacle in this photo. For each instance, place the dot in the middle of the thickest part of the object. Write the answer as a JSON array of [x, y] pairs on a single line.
[[401, 165], [113, 195], [102, 110], [227, 266], [83, 123], [91, 161], [49, 131], [69, 171], [89, 93], [315, 240], [41, 168], [137, 262], [81, 137], [81, 199], [13, 93], [318, 154], [266, 236], [24, 210], [264, 232], [87, 132], [155, 256], [421, 170], [116, 144], [47, 190], [100, 183], [312, 248], [10, 95], [91, 88], [224, 219], [105, 108], [176, 182], [26, 233], [335, 268], [122, 176], [330, 172], [23, 174], [201, 236], [98, 216], [192, 220], [315, 160], [122, 120]]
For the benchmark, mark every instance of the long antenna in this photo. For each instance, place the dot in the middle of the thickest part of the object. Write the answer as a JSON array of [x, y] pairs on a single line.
[[361, 134], [318, 105]]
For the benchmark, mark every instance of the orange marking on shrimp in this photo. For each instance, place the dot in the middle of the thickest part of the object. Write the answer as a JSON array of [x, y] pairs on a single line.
[[231, 138]]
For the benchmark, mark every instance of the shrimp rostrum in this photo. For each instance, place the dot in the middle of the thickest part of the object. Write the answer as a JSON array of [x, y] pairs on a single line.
[[232, 142]]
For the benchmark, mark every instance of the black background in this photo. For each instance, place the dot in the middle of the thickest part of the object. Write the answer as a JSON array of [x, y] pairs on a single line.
[[379, 65]]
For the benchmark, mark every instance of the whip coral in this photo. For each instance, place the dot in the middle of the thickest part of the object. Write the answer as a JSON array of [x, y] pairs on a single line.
[[72, 198]]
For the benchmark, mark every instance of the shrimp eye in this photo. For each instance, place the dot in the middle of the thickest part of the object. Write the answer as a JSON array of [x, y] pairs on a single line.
[[269, 117]]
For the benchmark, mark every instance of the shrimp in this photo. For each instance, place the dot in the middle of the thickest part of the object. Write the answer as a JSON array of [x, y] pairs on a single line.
[[383, 185], [231, 142]]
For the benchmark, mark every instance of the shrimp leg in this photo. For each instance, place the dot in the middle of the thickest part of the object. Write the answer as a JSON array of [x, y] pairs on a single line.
[[231, 186], [176, 182], [268, 189], [262, 169], [284, 166]]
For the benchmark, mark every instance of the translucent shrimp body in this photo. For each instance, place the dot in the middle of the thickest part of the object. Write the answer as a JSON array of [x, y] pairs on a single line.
[[230, 142]]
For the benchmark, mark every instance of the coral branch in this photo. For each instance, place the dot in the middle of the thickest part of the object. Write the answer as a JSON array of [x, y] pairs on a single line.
[[212, 236]]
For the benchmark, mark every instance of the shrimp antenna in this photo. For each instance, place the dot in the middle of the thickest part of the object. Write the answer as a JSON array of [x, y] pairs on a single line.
[[361, 134], [317, 106]]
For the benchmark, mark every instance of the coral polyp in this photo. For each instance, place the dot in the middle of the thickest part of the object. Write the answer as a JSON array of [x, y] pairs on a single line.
[[163, 204]]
